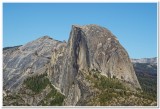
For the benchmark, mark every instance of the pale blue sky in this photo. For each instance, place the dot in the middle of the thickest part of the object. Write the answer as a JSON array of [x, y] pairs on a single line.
[[134, 24]]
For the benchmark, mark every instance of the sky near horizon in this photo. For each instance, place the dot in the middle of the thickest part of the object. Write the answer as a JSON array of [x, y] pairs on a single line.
[[134, 24]]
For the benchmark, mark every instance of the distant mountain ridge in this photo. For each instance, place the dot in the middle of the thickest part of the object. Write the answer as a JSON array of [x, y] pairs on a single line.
[[145, 60], [146, 71]]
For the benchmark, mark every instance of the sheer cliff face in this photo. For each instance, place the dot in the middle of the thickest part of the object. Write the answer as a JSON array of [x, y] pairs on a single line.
[[90, 47], [99, 49]]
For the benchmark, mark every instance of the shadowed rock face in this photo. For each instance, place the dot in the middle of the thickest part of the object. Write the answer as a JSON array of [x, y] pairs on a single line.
[[89, 47]]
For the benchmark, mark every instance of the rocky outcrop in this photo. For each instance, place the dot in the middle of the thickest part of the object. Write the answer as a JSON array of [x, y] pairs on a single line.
[[90, 47]]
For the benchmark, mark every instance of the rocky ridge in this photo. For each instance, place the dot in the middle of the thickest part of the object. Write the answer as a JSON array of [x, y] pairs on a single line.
[[145, 60], [27, 60]]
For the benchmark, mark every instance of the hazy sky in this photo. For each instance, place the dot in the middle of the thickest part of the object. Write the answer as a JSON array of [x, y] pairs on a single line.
[[134, 24]]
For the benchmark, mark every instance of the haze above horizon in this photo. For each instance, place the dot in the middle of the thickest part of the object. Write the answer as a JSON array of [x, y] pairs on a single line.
[[134, 24]]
